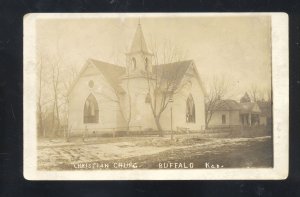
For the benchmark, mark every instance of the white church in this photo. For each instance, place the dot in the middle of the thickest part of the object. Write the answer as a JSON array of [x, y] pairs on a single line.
[[138, 96]]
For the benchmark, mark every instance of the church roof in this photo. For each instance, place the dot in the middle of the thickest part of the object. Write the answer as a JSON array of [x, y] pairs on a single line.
[[173, 71], [177, 71], [111, 72], [139, 43]]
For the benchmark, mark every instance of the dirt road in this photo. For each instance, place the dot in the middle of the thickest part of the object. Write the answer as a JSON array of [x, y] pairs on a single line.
[[153, 153]]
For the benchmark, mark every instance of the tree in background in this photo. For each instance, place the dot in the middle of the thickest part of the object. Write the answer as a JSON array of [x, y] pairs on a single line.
[[218, 89]]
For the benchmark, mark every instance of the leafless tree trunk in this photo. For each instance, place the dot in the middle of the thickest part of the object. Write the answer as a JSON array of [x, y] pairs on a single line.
[[258, 93], [218, 89], [39, 104], [55, 110], [160, 88], [254, 92], [128, 120], [72, 75]]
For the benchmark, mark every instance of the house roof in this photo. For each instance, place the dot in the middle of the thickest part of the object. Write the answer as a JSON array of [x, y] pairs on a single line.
[[111, 72], [232, 105], [247, 106], [250, 107], [227, 105]]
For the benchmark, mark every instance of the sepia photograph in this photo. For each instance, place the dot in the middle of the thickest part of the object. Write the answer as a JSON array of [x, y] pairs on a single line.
[[154, 93]]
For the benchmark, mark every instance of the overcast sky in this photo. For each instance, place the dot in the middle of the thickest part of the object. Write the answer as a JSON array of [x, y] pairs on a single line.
[[237, 47]]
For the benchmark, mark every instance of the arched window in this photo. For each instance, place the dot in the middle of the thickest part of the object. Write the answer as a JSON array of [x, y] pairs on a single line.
[[91, 110], [134, 63], [146, 63], [190, 109]]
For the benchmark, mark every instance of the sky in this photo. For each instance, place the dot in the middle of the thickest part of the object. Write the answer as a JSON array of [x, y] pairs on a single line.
[[237, 47]]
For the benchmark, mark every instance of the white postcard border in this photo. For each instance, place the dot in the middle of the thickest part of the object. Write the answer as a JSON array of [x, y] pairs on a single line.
[[280, 83]]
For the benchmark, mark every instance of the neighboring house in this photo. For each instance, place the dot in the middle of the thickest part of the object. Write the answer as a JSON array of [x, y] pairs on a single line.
[[249, 114], [230, 113], [105, 96], [266, 113], [227, 114]]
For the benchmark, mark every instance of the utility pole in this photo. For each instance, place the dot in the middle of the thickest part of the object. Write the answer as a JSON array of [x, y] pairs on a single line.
[[171, 109]]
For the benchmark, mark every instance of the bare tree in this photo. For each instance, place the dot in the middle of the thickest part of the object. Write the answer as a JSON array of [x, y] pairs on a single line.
[[161, 90], [254, 92], [162, 86], [217, 91], [258, 93], [72, 75], [39, 104], [55, 74]]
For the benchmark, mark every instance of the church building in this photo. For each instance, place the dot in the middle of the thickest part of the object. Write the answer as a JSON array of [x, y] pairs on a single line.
[[138, 96]]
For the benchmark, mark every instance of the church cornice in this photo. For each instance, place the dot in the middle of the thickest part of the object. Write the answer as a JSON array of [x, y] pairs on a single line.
[[137, 77]]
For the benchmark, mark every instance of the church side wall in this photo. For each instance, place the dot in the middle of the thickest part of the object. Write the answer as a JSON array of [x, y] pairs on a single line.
[[109, 112], [179, 109]]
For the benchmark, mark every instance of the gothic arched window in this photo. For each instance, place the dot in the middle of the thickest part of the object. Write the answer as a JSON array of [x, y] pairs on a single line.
[[190, 109], [91, 110], [134, 63]]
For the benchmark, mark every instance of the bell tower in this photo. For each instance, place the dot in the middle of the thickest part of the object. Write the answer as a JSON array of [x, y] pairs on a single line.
[[139, 59]]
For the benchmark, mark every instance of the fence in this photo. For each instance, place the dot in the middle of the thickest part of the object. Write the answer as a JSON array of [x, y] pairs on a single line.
[[241, 130], [232, 130], [104, 132]]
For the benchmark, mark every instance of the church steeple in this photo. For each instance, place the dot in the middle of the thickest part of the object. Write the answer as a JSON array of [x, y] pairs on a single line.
[[139, 43], [139, 59]]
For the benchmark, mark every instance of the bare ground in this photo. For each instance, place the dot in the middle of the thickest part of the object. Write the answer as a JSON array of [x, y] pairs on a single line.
[[148, 152]]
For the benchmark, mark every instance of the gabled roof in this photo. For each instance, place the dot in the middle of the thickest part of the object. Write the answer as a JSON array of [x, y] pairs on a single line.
[[227, 105], [111, 72], [245, 98], [175, 72], [172, 71], [167, 72], [232, 105], [249, 107], [139, 43]]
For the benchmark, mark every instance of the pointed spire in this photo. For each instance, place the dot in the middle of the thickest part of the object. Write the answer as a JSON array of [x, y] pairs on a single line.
[[139, 43], [245, 98]]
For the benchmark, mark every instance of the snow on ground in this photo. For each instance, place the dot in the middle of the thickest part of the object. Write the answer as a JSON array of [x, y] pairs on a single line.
[[58, 152]]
